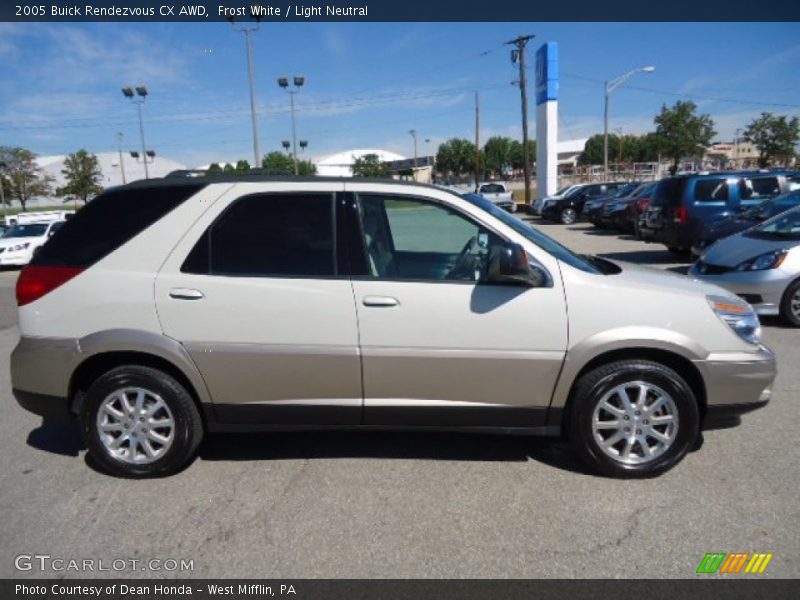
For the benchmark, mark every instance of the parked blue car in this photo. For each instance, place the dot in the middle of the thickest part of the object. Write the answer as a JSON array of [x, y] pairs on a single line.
[[681, 206]]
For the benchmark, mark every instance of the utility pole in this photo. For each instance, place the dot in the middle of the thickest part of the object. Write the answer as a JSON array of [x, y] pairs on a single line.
[[477, 143], [248, 33], [119, 149], [2, 192], [519, 56]]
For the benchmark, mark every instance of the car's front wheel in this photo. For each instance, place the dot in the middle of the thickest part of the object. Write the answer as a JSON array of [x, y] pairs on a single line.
[[632, 418], [568, 216], [140, 422], [790, 304]]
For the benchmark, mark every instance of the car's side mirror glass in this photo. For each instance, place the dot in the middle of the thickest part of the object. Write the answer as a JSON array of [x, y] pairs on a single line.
[[509, 263]]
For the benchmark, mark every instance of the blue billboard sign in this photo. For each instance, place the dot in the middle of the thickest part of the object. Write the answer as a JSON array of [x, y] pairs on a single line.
[[547, 73]]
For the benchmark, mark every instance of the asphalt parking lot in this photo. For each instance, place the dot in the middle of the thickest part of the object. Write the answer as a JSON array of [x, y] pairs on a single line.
[[353, 505]]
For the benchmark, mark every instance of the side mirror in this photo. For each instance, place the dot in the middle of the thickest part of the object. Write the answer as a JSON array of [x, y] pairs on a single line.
[[509, 264]]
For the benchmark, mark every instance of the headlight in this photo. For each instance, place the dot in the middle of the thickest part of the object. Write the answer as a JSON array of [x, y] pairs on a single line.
[[19, 247], [770, 260], [739, 316]]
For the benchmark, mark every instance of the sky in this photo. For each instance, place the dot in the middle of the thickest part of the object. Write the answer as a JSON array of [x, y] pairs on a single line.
[[369, 84]]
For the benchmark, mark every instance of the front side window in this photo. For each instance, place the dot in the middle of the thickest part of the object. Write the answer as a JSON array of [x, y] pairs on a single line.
[[759, 188], [711, 190], [269, 235], [32, 230], [411, 239]]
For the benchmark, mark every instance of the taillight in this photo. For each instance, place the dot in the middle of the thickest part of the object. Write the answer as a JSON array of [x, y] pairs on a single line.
[[681, 215], [34, 282], [643, 203]]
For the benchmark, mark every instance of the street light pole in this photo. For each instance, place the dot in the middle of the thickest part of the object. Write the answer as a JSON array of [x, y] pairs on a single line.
[[413, 133], [119, 149], [610, 86], [138, 99], [2, 191], [283, 82]]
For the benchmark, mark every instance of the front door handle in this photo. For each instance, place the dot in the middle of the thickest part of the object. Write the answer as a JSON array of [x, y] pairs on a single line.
[[380, 301], [186, 294]]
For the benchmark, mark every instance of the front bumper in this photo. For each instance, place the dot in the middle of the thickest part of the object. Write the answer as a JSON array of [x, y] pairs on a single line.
[[16, 259], [736, 383], [762, 289]]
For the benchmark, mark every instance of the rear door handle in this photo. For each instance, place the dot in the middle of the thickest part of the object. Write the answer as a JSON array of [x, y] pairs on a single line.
[[380, 301], [186, 294]]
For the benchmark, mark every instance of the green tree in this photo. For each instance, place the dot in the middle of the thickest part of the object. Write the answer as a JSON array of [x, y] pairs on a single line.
[[24, 178], [456, 157], [306, 168], [774, 136], [277, 163], [370, 165], [214, 169], [517, 157], [83, 176], [229, 169], [496, 156], [242, 167], [593, 150], [682, 133]]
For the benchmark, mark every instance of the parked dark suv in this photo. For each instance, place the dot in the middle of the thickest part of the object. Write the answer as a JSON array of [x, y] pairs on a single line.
[[567, 209], [682, 205]]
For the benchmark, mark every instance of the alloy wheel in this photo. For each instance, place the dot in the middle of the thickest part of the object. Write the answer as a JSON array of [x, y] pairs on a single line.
[[635, 423], [135, 425]]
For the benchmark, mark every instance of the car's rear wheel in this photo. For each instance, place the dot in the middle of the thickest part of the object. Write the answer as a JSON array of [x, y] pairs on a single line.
[[790, 304], [568, 216], [632, 419], [140, 422]]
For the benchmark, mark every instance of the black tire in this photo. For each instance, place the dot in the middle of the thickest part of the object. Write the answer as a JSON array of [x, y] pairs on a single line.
[[789, 296], [588, 392], [188, 425], [568, 216]]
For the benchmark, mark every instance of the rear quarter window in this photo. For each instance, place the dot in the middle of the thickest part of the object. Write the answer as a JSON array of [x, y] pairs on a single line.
[[668, 192], [109, 221], [711, 190]]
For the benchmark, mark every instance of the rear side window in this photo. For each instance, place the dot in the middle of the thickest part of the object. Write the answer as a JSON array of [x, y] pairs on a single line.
[[710, 190], [269, 235], [109, 221], [759, 188], [668, 192]]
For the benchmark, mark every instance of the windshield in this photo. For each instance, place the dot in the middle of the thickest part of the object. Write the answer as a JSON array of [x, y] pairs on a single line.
[[785, 226], [625, 190], [30, 230], [563, 190], [544, 242]]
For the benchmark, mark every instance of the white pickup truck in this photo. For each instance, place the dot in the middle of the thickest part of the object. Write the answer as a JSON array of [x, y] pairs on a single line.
[[497, 193]]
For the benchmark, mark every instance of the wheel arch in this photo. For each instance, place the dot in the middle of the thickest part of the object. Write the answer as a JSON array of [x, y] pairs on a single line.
[[107, 350], [667, 357]]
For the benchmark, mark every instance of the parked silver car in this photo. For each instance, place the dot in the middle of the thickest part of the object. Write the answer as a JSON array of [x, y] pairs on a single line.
[[761, 265]]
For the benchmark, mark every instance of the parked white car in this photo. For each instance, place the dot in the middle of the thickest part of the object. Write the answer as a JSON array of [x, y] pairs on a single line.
[[19, 243]]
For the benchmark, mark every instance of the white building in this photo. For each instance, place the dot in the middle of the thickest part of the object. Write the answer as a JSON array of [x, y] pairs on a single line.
[[341, 163]]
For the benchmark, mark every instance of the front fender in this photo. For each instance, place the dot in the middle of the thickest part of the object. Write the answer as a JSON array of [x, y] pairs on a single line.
[[623, 338]]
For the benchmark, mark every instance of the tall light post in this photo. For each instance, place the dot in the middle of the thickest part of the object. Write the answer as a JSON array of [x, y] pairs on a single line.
[[298, 82], [119, 149], [610, 86], [413, 133], [248, 30], [2, 192], [138, 99]]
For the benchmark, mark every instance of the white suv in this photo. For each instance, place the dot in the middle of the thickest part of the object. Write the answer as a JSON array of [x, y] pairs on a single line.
[[170, 308]]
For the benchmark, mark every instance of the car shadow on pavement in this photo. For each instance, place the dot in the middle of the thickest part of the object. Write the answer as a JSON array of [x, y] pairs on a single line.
[[646, 257], [388, 445], [58, 437]]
